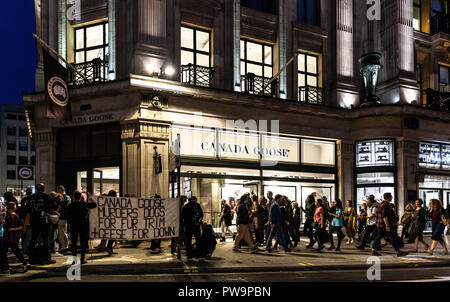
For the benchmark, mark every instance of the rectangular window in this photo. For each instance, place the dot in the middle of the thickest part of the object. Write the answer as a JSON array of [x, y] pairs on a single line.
[[91, 42], [11, 116], [32, 147], [11, 146], [308, 12], [318, 152], [11, 174], [11, 160], [308, 70], [267, 6], [256, 58], [23, 160], [417, 15], [23, 131], [23, 146], [11, 131], [33, 160], [375, 178], [434, 155], [444, 78], [195, 47], [375, 153]]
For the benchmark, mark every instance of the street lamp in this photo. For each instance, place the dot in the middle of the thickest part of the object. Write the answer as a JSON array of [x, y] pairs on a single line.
[[370, 68]]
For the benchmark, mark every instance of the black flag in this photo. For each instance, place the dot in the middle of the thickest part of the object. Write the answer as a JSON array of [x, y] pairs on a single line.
[[56, 89]]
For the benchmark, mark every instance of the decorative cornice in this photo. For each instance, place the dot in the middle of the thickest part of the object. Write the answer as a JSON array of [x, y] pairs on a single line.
[[141, 129]]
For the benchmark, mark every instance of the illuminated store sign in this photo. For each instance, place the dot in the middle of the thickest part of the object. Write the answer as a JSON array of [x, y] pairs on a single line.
[[433, 155], [374, 153]]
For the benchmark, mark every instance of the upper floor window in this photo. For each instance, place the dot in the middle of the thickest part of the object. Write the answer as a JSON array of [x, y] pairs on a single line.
[[308, 79], [23, 131], [267, 6], [11, 130], [444, 78], [308, 11], [23, 160], [195, 47], [11, 146], [21, 117], [91, 42], [417, 15], [11, 159], [23, 146], [11, 116], [11, 174], [256, 58], [439, 6]]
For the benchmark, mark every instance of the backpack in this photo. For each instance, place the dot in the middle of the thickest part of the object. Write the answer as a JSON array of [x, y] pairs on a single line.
[[2, 213], [197, 215]]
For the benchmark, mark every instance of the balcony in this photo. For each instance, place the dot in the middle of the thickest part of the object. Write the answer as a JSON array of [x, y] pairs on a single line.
[[95, 71], [437, 100], [311, 95], [253, 84], [197, 75], [440, 23]]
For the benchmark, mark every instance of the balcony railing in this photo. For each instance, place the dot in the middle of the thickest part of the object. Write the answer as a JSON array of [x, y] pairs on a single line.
[[440, 23], [197, 75], [437, 100], [253, 84], [311, 95], [95, 71]]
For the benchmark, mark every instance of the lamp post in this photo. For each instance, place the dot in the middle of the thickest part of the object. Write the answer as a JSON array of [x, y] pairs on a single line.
[[370, 68]]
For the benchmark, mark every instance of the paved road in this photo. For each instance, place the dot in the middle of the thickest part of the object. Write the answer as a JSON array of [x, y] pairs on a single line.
[[437, 274]]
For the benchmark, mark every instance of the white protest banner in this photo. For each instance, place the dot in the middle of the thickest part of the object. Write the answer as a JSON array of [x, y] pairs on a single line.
[[124, 218]]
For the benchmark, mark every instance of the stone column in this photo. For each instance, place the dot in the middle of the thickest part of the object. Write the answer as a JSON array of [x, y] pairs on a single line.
[[112, 39], [346, 94], [345, 165], [237, 44], [407, 153], [139, 137], [282, 49], [45, 143]]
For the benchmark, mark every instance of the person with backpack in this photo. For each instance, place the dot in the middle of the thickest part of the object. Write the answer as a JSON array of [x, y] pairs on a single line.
[[371, 223], [225, 219], [12, 233], [439, 220], [63, 237], [39, 207], [4, 267], [191, 216]]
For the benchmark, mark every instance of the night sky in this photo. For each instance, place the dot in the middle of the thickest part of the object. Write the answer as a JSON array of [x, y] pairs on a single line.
[[18, 58]]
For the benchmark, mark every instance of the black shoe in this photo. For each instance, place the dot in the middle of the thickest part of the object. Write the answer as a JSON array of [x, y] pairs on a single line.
[[331, 248], [48, 262], [338, 249]]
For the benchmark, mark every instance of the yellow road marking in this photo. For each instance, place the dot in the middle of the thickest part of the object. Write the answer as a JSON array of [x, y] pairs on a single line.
[[310, 264], [302, 264]]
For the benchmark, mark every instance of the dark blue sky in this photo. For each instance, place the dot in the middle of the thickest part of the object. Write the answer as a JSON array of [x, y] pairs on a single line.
[[18, 58]]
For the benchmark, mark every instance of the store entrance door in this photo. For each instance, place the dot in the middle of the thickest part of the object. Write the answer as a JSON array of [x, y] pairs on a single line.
[[99, 181]]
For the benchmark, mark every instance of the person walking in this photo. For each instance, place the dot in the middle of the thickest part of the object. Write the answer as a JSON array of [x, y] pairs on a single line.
[[269, 204], [309, 215], [362, 220], [264, 217], [63, 237], [336, 224], [276, 225], [371, 223], [319, 225], [257, 221], [26, 232], [407, 223], [419, 217], [386, 224], [4, 267], [225, 219], [39, 207], [350, 220], [242, 222], [296, 221], [77, 216], [191, 216], [439, 219], [57, 198], [13, 230]]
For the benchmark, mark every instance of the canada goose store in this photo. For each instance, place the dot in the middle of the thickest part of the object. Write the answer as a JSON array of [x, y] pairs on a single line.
[[219, 164]]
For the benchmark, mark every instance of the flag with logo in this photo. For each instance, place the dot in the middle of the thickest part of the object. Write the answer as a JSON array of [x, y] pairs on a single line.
[[56, 88]]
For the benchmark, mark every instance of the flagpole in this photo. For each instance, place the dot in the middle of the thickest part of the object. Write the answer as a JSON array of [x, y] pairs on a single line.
[[42, 42], [281, 70]]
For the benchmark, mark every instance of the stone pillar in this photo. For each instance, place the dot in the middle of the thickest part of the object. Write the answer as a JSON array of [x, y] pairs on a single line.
[[407, 152], [45, 143], [346, 94], [237, 44], [345, 165], [112, 39], [282, 49], [139, 137]]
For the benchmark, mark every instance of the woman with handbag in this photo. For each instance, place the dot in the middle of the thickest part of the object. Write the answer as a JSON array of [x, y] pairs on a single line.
[[319, 225], [419, 222], [439, 220], [350, 220]]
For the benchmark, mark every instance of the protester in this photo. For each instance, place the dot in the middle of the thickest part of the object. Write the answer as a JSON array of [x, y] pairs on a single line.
[[439, 219], [26, 233], [350, 220], [264, 217], [242, 222], [257, 220], [371, 223], [62, 222], [386, 224], [419, 217], [108, 245], [77, 215], [192, 216], [225, 219], [39, 207], [319, 225], [309, 215], [336, 224], [296, 221], [276, 225], [4, 267]]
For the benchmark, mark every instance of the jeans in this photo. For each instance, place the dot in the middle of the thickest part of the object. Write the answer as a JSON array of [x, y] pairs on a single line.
[[52, 238], [366, 234], [308, 229], [392, 234], [26, 241], [318, 233], [278, 229], [62, 234], [285, 236], [39, 254], [188, 232], [225, 228], [338, 230]]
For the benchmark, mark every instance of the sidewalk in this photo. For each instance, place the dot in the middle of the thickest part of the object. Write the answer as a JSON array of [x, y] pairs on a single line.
[[137, 261]]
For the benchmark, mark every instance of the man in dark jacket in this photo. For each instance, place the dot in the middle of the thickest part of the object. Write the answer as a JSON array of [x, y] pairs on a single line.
[[276, 225], [192, 216], [39, 208], [296, 221], [225, 219], [62, 222], [242, 223], [309, 213]]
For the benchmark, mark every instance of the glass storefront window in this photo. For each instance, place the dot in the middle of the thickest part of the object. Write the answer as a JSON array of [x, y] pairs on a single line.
[[318, 152], [364, 192], [375, 153], [375, 178]]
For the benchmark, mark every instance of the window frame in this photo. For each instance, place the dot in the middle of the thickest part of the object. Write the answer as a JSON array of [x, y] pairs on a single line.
[[9, 173], [9, 144], [195, 51], [26, 146], [316, 21], [8, 128], [439, 76], [263, 64], [10, 161], [85, 49], [306, 73], [415, 5]]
